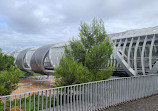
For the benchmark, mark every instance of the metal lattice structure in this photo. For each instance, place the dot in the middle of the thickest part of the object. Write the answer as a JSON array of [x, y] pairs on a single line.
[[135, 52]]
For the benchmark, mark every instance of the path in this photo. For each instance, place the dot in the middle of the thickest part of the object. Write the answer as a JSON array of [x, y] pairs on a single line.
[[145, 104]]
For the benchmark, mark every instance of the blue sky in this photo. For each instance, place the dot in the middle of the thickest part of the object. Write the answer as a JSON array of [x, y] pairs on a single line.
[[3, 22], [29, 23]]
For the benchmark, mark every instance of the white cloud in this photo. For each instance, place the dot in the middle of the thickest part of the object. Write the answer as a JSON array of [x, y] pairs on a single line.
[[30, 23]]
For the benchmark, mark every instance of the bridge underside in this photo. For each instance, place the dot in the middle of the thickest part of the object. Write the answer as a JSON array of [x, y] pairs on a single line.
[[135, 52]]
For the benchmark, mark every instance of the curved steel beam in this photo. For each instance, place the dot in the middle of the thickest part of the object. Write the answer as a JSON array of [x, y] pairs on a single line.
[[129, 52], [150, 53], [124, 47], [114, 57], [142, 55], [135, 55], [118, 47]]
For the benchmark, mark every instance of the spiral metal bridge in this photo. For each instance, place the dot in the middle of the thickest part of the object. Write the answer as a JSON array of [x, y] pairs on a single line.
[[135, 52]]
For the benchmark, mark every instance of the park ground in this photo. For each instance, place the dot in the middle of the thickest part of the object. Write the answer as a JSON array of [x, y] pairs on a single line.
[[28, 85]]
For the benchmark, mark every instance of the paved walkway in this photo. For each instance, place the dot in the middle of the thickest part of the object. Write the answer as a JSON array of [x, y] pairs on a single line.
[[146, 104]]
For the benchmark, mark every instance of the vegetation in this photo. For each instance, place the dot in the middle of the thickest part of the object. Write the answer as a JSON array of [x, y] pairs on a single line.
[[9, 74], [86, 59], [31, 100], [24, 74]]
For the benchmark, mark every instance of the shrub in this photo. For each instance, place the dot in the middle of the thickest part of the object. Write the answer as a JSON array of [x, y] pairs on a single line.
[[8, 81], [71, 72]]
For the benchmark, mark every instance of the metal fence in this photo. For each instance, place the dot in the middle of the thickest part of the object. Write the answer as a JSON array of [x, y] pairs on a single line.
[[83, 97]]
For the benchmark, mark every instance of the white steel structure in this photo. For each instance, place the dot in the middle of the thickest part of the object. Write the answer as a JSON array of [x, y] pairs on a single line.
[[135, 52]]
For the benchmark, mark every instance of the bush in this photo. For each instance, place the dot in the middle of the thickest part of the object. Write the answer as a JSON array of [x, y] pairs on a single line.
[[71, 72], [8, 81], [9, 74], [86, 60]]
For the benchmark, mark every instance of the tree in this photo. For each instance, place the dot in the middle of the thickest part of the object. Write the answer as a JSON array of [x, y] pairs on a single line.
[[92, 52], [6, 62], [9, 74]]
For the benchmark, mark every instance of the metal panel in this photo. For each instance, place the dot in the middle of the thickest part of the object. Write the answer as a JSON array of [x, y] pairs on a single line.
[[9, 53], [20, 59], [37, 60], [12, 53], [55, 53], [17, 53], [29, 56]]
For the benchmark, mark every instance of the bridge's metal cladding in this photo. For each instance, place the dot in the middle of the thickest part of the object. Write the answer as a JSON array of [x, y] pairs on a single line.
[[38, 58], [20, 60], [135, 52], [56, 52]]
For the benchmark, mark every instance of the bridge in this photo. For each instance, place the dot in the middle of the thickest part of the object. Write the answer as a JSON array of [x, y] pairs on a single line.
[[135, 52]]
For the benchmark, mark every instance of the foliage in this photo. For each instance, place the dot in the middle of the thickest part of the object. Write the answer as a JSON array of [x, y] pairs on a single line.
[[6, 62], [24, 74], [31, 99], [88, 57], [9, 74], [71, 72], [8, 80]]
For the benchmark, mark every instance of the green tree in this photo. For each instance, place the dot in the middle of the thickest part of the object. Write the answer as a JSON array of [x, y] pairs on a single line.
[[92, 52], [6, 62], [9, 74]]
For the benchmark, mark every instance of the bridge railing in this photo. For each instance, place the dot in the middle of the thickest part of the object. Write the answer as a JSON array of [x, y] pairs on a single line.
[[83, 97]]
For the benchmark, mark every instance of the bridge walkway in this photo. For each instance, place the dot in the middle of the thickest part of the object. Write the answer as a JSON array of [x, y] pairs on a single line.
[[145, 104]]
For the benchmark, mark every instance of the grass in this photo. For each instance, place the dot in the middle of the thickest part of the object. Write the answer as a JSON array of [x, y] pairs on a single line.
[[23, 74]]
